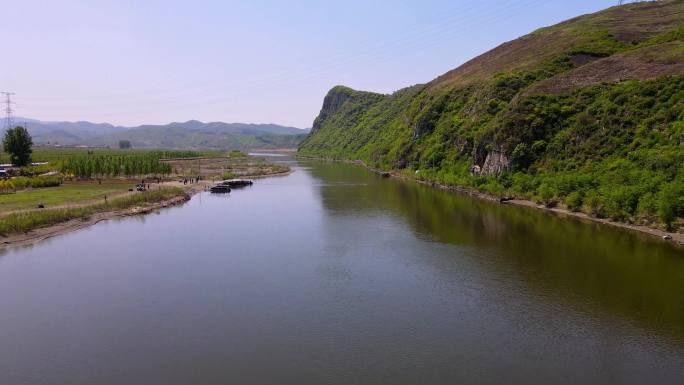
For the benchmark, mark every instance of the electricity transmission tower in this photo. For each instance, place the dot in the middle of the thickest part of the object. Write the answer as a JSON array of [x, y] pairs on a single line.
[[9, 120]]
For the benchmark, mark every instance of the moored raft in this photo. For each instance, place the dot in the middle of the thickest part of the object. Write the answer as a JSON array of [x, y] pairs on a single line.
[[237, 182], [220, 189]]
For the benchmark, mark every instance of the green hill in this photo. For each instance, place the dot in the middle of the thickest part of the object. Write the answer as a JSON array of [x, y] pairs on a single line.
[[587, 113]]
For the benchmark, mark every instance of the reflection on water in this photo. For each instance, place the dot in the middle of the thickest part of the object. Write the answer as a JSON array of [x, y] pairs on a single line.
[[333, 275], [630, 275]]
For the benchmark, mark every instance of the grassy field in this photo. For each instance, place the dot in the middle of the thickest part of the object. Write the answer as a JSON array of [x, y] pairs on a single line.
[[29, 220], [67, 193]]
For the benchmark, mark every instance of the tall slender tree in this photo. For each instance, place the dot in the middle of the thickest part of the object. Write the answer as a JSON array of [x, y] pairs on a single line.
[[18, 144]]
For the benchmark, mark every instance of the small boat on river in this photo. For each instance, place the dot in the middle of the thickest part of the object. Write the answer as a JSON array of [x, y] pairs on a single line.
[[220, 189], [237, 182]]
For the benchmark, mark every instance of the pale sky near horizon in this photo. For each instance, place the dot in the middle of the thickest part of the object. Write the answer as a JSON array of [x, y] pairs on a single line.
[[152, 62]]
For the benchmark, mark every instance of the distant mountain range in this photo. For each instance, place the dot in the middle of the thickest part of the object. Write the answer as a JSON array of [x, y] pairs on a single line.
[[191, 134]]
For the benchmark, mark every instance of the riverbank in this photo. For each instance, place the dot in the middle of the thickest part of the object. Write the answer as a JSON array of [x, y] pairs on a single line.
[[42, 233], [88, 219], [674, 237], [25, 228], [22, 227]]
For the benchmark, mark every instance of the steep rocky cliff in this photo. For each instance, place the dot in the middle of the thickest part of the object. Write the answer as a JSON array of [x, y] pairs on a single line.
[[594, 102]]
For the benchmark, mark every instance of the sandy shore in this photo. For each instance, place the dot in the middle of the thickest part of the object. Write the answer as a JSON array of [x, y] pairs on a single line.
[[674, 238]]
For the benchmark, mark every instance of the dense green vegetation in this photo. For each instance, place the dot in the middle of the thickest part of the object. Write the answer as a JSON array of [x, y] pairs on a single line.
[[29, 220], [588, 149], [55, 155], [89, 166], [556, 127], [88, 163], [32, 182], [18, 144]]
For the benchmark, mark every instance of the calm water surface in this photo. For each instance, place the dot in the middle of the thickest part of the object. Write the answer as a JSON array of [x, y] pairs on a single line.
[[333, 275]]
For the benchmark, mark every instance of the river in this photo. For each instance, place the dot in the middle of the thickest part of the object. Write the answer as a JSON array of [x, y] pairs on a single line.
[[334, 275]]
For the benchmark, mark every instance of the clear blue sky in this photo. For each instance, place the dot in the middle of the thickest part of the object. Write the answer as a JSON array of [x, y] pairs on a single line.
[[134, 62]]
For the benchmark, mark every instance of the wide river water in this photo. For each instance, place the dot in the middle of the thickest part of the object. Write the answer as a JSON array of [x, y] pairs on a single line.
[[334, 275]]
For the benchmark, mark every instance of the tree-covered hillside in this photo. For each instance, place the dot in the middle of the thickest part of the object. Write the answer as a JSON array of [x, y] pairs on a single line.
[[587, 114]]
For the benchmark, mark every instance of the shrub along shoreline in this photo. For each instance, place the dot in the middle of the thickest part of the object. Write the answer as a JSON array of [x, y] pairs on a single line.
[[610, 151], [648, 229], [26, 221], [22, 182]]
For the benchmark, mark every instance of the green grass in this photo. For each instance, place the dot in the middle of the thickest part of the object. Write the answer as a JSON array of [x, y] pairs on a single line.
[[23, 182], [26, 221], [67, 193]]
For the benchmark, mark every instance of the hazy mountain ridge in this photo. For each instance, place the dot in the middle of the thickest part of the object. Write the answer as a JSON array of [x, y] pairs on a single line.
[[190, 134]]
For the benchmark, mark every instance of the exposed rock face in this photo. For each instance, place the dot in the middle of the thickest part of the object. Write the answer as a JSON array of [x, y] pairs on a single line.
[[423, 126], [479, 155], [332, 102], [488, 163], [496, 162], [343, 101]]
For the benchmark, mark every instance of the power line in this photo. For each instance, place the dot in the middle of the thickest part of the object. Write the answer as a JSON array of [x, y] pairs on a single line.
[[9, 121]]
